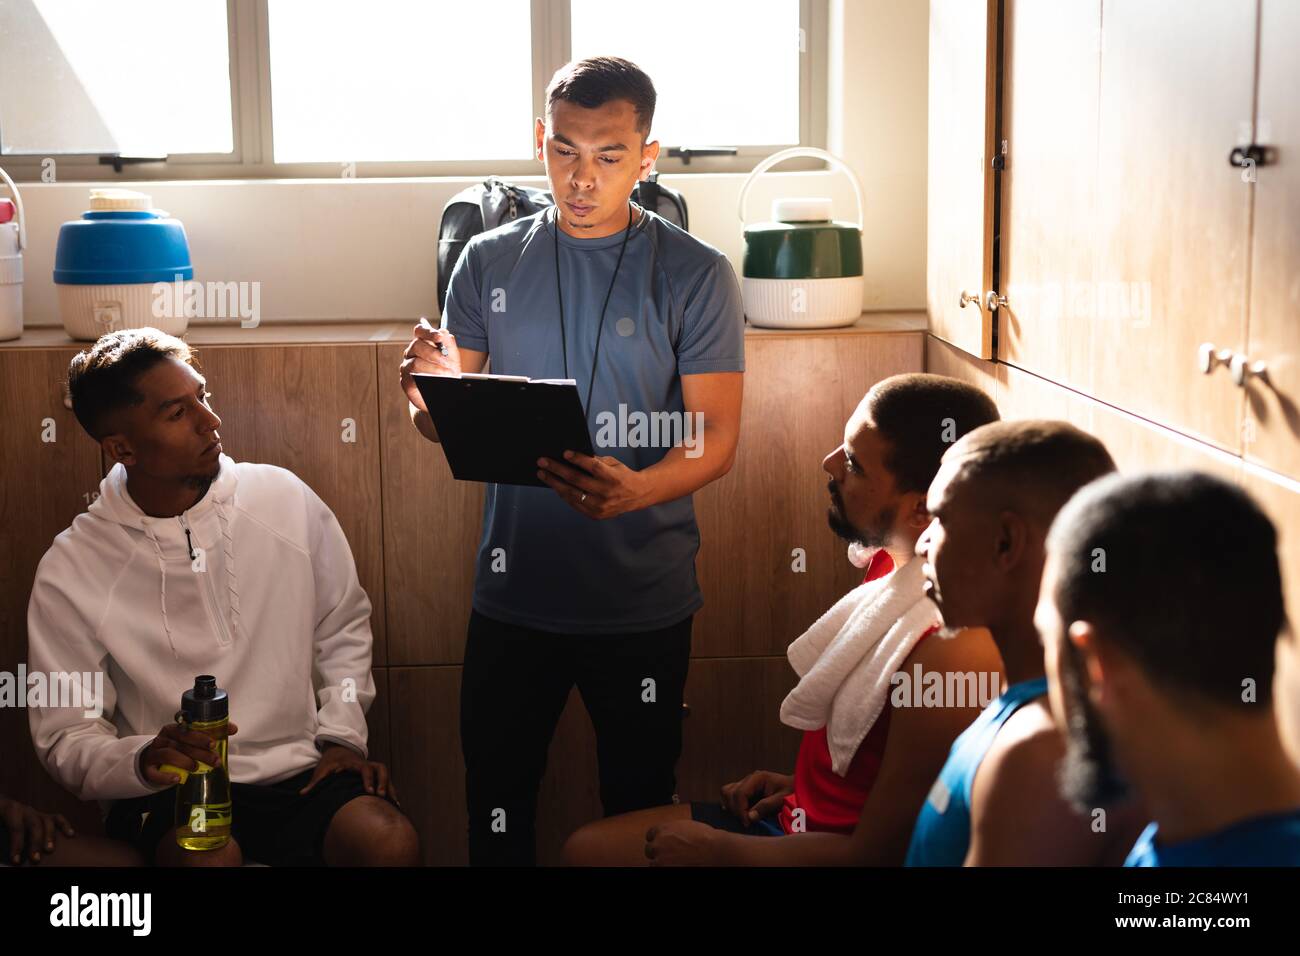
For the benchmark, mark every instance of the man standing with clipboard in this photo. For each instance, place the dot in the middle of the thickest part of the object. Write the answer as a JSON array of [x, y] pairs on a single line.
[[591, 580]]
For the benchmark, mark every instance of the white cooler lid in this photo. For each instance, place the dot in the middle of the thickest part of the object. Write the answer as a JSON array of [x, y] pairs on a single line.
[[802, 209], [108, 200]]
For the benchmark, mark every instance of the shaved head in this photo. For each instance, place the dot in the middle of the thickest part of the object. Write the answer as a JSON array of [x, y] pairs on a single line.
[[991, 505], [1032, 467]]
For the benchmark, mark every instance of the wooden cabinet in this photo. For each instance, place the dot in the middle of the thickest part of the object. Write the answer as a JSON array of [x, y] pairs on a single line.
[[959, 267], [432, 525], [1272, 433], [1126, 238], [1177, 88], [1051, 69]]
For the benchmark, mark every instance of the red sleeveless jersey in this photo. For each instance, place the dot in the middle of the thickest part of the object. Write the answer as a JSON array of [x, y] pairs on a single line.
[[832, 803]]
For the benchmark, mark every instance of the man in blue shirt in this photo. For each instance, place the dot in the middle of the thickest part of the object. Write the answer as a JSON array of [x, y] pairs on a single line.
[[1160, 611], [995, 802], [591, 580]]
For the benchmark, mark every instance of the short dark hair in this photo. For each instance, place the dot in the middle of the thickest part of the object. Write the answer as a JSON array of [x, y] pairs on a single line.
[[1037, 463], [919, 416], [102, 378], [597, 80], [1191, 587]]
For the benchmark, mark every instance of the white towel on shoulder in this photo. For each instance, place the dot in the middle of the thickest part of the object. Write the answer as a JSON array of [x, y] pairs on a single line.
[[846, 659]]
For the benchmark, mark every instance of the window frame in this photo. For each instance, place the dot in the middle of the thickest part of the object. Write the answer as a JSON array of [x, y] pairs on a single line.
[[252, 134]]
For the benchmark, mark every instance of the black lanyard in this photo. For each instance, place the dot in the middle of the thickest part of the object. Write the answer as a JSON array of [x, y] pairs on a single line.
[[564, 345]]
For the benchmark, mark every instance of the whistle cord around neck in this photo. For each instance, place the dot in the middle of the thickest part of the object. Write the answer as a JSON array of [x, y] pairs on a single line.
[[564, 345]]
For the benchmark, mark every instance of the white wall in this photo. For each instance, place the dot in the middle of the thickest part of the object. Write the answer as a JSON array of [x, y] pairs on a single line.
[[366, 249], [878, 98]]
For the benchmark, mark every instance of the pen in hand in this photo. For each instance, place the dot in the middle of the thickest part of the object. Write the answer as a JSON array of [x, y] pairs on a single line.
[[442, 327]]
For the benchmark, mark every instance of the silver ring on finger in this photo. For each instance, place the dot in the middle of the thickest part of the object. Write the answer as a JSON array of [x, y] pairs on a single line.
[[583, 498]]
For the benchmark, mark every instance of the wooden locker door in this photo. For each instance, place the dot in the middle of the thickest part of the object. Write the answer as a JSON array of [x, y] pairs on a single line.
[[1051, 64], [1177, 94], [1272, 435], [959, 247], [51, 472]]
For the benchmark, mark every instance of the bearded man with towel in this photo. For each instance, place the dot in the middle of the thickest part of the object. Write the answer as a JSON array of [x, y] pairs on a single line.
[[863, 768]]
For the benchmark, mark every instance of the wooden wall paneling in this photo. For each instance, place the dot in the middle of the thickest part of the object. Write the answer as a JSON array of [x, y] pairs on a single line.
[[286, 407], [379, 738], [1272, 435], [1139, 445], [799, 393], [963, 50], [1134, 443], [43, 487], [430, 769], [426, 760], [1051, 69], [944, 359], [432, 524], [570, 792], [1177, 90], [735, 726], [1022, 394]]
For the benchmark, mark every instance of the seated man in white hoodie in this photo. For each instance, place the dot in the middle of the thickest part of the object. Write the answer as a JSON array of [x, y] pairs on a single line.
[[189, 563]]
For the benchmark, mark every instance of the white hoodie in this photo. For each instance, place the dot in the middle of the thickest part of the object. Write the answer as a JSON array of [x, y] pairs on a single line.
[[271, 606]]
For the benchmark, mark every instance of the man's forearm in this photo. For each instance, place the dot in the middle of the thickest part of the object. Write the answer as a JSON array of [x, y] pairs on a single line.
[[677, 475], [423, 422]]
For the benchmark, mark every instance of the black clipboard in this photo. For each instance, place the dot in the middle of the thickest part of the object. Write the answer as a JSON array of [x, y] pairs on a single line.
[[493, 428]]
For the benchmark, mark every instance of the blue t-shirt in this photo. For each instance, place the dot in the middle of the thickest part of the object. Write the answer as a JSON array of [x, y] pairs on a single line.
[[676, 310], [1261, 841], [942, 833]]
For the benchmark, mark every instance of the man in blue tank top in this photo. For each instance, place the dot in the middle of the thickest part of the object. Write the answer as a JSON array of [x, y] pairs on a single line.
[[991, 504], [1160, 613]]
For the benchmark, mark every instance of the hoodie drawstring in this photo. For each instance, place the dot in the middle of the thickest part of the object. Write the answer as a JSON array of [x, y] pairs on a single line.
[[232, 579], [162, 572]]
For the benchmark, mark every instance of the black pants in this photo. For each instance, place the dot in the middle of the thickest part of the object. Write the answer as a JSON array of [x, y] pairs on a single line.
[[513, 689]]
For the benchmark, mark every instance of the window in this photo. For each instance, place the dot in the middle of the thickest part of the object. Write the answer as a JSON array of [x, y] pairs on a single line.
[[399, 81], [731, 78], [149, 77], [155, 89]]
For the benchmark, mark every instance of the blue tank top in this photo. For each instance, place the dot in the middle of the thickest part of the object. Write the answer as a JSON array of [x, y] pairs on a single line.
[[942, 833], [1262, 841]]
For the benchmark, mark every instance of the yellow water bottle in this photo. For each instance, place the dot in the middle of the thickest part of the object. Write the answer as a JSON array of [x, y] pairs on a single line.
[[203, 814]]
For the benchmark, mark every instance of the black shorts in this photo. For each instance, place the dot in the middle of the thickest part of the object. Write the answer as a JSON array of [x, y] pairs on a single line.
[[271, 823], [715, 816]]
